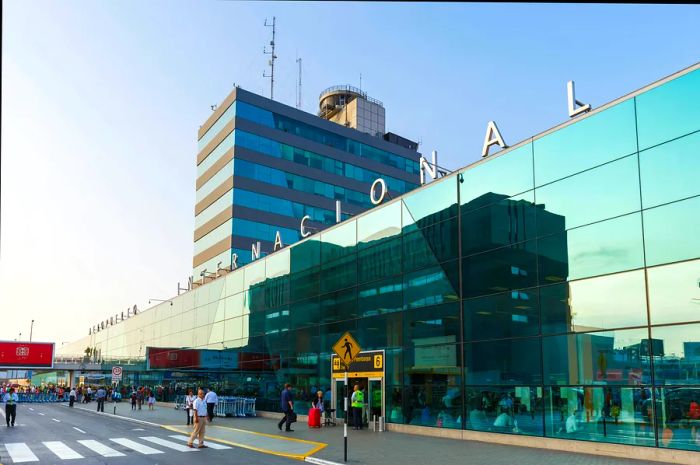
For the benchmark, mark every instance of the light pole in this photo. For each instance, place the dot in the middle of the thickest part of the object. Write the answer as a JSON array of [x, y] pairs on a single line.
[[31, 331]]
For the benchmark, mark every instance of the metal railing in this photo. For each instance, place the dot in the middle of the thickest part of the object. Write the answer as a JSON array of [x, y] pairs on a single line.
[[349, 88]]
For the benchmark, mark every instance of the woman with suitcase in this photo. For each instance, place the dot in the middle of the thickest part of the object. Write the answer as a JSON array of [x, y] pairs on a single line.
[[316, 411]]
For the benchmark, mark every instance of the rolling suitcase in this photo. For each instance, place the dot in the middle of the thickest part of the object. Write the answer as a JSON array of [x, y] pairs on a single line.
[[314, 418]]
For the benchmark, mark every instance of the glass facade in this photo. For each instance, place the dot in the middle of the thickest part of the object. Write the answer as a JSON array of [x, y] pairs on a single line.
[[553, 290], [269, 165]]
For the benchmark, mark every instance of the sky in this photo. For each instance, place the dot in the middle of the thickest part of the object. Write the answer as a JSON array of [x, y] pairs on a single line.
[[101, 102]]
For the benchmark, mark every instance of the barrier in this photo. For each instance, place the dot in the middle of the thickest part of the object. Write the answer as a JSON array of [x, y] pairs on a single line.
[[235, 407], [41, 398]]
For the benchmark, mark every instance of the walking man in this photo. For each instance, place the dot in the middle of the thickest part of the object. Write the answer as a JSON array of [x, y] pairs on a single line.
[[287, 406], [211, 400], [101, 394], [10, 399], [199, 409], [72, 396]]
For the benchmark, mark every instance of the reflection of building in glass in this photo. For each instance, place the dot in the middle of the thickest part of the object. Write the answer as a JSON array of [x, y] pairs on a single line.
[[520, 295]]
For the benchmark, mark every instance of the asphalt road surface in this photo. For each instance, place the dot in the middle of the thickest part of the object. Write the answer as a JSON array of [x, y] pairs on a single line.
[[53, 434]]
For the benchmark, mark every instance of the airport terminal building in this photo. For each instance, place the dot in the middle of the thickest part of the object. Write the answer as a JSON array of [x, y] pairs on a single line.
[[550, 290]]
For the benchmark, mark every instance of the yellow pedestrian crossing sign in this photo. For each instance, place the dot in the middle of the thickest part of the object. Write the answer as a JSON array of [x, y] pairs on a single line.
[[347, 348]]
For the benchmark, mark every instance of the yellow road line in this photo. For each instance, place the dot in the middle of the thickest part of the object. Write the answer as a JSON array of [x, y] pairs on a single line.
[[319, 445]]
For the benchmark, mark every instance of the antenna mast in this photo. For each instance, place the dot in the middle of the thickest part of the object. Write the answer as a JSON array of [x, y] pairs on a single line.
[[299, 86], [271, 62]]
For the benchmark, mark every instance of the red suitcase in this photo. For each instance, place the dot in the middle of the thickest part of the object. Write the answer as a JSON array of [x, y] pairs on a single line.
[[314, 418]]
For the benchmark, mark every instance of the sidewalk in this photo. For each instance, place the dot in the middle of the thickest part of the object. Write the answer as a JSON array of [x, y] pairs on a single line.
[[364, 447]]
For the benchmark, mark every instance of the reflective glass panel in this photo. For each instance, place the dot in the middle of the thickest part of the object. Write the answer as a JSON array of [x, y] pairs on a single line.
[[503, 222], [304, 283], [380, 224], [670, 171], [431, 245], [671, 232], [305, 313], [380, 261], [381, 331], [606, 302], [598, 194], [380, 297], [507, 409], [433, 325], [339, 274], [669, 111], [611, 357], [676, 354], [678, 417], [503, 175], [338, 241], [507, 268], [432, 204], [601, 248], [509, 314], [431, 286], [305, 254], [507, 361], [586, 143], [622, 415], [674, 292], [434, 403], [339, 306]]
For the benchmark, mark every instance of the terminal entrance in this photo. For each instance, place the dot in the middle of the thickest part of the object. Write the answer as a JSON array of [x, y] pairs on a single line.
[[366, 371]]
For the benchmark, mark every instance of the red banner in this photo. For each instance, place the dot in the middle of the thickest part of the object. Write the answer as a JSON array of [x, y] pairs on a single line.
[[26, 354]]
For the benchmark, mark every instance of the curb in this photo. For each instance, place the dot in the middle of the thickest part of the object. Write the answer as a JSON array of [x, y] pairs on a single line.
[[319, 461]]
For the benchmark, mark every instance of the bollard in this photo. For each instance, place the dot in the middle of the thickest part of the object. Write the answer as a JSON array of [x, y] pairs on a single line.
[[115, 410], [381, 424]]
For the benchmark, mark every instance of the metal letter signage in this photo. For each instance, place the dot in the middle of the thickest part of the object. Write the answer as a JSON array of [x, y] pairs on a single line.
[[425, 166], [234, 261], [302, 230], [278, 242], [493, 137], [255, 250], [573, 111], [382, 184]]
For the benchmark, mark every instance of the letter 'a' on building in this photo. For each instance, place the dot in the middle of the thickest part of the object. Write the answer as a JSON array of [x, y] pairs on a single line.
[[549, 290]]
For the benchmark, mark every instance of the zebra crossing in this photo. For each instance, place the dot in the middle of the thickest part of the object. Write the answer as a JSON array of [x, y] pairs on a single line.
[[21, 452]]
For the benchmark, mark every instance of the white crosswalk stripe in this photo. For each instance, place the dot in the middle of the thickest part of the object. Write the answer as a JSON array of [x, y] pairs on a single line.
[[19, 452], [212, 445], [136, 446], [97, 446], [62, 451], [169, 444]]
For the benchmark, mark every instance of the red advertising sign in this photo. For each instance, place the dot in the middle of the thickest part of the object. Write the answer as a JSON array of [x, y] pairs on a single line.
[[26, 354]]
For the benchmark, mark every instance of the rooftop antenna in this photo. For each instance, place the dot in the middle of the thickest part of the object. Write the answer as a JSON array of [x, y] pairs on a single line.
[[271, 62], [299, 86], [360, 82]]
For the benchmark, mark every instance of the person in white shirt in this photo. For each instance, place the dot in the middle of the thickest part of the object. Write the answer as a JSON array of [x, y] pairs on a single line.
[[211, 400], [189, 401], [71, 397], [10, 399], [199, 408]]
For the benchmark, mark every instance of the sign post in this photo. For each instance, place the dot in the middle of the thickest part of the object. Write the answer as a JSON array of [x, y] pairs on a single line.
[[116, 374], [347, 349]]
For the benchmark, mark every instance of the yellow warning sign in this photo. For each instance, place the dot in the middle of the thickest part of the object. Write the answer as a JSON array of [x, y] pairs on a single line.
[[347, 348]]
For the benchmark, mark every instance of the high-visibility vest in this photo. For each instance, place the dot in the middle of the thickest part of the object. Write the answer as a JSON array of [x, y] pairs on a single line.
[[359, 401]]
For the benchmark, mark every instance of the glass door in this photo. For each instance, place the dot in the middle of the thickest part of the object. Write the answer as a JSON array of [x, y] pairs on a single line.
[[375, 394]]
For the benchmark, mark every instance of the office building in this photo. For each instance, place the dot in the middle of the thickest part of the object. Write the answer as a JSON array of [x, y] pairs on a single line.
[[262, 166]]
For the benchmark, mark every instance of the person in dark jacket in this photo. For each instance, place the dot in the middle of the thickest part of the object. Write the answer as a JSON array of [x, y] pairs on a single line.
[[287, 406]]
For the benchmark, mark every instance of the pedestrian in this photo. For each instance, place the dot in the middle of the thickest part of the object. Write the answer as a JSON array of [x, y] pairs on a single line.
[[139, 397], [287, 406], [133, 399], [100, 397], [151, 401], [211, 400], [88, 395], [189, 400], [71, 397], [199, 408], [10, 399], [357, 401]]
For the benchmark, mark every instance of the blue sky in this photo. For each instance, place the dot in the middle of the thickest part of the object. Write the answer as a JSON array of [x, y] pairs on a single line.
[[101, 102]]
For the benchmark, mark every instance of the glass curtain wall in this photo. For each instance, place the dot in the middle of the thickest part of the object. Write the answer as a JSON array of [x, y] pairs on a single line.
[[553, 290]]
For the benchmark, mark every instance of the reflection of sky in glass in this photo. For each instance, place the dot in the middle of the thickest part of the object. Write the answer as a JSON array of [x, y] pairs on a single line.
[[675, 336], [674, 292], [613, 301]]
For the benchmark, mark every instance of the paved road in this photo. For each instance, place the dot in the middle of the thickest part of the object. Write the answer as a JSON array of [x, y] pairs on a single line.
[[52, 434]]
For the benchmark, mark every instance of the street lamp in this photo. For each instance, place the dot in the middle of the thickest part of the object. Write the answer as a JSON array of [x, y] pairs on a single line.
[[31, 331]]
